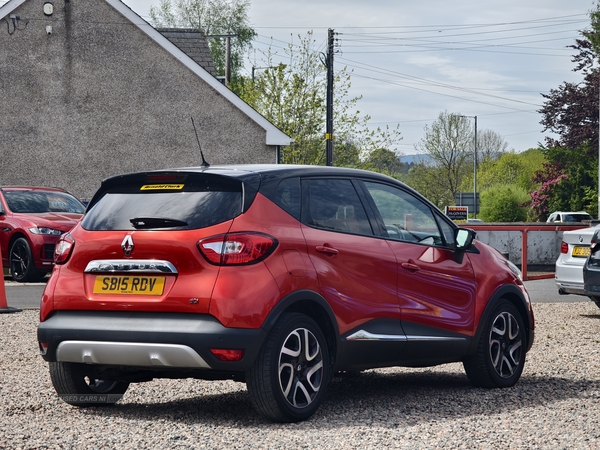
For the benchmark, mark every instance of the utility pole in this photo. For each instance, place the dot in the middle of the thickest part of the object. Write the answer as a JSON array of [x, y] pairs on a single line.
[[227, 60], [329, 118], [475, 173], [227, 54], [475, 168]]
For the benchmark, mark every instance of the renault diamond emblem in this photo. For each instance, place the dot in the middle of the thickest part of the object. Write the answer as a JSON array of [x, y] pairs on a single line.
[[127, 245]]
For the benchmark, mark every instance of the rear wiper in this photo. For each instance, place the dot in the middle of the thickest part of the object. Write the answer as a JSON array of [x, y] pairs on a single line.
[[141, 223]]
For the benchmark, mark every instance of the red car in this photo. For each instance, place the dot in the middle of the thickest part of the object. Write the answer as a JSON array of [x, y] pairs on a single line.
[[277, 276], [32, 220]]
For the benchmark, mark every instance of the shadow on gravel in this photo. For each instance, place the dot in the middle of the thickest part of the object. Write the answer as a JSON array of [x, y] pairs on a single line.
[[368, 398], [591, 316]]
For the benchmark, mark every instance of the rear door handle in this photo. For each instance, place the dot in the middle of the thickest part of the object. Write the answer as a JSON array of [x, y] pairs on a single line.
[[326, 249], [410, 266]]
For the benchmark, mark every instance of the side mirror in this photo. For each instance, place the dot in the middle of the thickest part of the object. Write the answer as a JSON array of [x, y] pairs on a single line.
[[463, 237]]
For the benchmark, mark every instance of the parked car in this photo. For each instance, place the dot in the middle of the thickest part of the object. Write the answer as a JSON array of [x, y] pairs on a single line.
[[591, 269], [574, 250], [560, 216], [278, 276], [32, 220]]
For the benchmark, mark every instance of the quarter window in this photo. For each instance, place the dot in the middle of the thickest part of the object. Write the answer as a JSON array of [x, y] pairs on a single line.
[[288, 196]]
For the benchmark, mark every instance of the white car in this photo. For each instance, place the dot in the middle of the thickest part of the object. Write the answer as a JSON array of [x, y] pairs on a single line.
[[574, 250], [572, 216]]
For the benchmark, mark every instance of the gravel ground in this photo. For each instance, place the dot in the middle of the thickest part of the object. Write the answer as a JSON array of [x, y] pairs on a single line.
[[556, 404]]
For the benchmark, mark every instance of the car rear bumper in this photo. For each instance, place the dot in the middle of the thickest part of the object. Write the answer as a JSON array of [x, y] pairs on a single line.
[[570, 288], [569, 278], [146, 340]]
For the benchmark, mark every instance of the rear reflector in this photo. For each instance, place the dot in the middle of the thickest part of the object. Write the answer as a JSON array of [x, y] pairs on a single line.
[[226, 354], [237, 248]]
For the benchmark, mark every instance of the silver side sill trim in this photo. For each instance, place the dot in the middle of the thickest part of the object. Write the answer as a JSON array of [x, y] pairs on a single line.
[[363, 335], [129, 354], [130, 265]]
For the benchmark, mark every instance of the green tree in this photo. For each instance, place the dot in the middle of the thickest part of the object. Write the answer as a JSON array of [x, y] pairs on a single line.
[[292, 97], [384, 161], [490, 146], [213, 17], [504, 204], [510, 168], [426, 179], [449, 143], [568, 182]]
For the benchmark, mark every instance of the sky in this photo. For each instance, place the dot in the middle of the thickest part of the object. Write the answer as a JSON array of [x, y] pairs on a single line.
[[412, 60]]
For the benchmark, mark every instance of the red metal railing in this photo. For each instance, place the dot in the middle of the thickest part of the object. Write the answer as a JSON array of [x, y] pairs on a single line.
[[524, 229]]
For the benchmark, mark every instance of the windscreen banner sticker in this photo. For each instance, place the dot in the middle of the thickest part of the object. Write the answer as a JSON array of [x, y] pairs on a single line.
[[162, 187]]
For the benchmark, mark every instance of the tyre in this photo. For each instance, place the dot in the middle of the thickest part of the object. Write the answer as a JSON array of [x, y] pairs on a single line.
[[288, 380], [22, 266], [76, 385], [500, 355]]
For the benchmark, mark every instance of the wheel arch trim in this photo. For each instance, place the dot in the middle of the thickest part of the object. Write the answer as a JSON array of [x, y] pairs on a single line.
[[514, 295], [301, 301]]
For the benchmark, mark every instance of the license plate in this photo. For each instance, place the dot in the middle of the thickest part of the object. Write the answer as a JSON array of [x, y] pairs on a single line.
[[141, 285], [582, 252]]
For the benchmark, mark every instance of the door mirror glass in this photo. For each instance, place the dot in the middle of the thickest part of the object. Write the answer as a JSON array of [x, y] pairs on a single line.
[[464, 238]]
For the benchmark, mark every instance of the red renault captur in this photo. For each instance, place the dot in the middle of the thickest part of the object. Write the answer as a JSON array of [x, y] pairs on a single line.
[[277, 276]]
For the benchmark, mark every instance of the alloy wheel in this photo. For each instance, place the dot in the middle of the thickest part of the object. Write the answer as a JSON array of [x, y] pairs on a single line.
[[300, 368], [505, 344], [19, 260]]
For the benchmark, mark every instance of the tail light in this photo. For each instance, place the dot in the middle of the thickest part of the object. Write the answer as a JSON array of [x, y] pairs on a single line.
[[63, 249], [564, 247], [237, 248]]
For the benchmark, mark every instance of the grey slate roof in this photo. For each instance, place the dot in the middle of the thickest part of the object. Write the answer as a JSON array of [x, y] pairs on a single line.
[[193, 43]]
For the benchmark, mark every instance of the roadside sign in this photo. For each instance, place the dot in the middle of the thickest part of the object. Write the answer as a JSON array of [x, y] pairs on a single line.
[[466, 199], [458, 213]]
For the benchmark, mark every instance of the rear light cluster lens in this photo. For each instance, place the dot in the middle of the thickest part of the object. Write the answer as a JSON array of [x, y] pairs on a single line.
[[564, 247], [237, 248], [64, 248]]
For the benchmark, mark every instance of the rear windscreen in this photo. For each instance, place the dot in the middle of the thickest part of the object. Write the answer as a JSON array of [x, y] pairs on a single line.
[[188, 205], [576, 217]]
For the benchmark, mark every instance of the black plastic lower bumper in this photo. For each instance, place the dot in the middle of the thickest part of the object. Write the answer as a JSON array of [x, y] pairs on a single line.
[[198, 332]]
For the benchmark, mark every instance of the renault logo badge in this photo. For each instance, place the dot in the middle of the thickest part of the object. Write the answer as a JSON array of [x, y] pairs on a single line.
[[127, 245]]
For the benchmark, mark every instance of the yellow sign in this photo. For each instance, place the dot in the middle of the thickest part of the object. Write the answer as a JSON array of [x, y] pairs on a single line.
[[162, 187]]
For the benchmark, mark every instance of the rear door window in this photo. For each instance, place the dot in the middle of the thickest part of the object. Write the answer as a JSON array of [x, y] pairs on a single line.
[[334, 205], [191, 203]]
